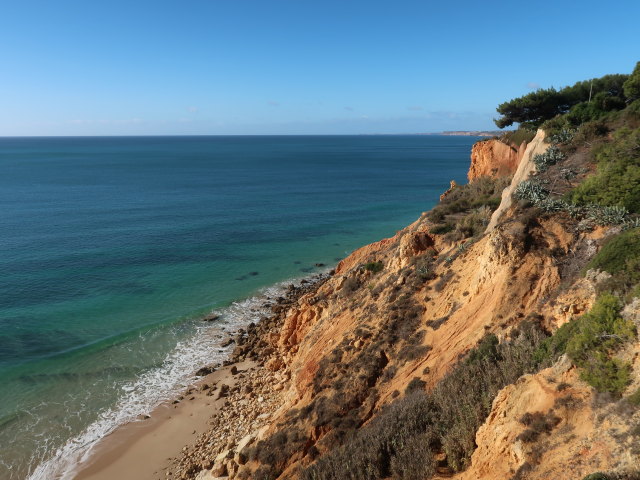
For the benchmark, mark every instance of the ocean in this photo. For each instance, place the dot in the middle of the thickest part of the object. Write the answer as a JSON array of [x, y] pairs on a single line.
[[113, 248]]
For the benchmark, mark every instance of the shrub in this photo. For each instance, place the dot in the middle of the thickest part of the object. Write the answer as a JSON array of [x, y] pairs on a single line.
[[437, 323], [631, 86], [424, 269], [397, 443], [596, 476], [537, 423], [411, 352], [400, 441], [634, 398], [274, 452], [463, 398], [440, 229], [607, 215], [350, 285], [620, 256], [595, 337], [617, 180], [415, 384], [590, 131], [374, 267], [516, 137], [615, 254], [590, 341]]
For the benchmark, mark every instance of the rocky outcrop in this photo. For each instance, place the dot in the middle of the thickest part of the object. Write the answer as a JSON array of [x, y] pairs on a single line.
[[524, 170], [452, 185], [493, 158]]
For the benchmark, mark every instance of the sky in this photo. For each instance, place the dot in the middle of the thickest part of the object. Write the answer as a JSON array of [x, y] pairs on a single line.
[[227, 67]]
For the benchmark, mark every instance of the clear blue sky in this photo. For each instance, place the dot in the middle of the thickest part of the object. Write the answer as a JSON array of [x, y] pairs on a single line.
[[294, 66]]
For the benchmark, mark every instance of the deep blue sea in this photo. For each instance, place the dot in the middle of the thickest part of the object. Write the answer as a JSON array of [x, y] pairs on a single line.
[[112, 248]]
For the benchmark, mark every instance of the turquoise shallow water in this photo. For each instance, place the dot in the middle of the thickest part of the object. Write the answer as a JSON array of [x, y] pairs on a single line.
[[112, 247]]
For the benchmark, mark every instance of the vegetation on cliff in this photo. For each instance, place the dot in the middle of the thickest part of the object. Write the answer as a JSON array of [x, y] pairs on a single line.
[[584, 101], [401, 442]]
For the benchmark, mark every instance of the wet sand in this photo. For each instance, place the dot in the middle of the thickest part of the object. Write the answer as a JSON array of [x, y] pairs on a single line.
[[142, 450]]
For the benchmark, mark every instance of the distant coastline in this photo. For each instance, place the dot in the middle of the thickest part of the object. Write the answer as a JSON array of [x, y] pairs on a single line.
[[470, 133]]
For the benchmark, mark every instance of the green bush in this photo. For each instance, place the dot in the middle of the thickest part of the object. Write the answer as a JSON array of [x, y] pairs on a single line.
[[597, 336], [632, 85], [591, 341], [606, 374], [615, 255], [589, 132], [617, 180], [621, 258], [516, 137], [634, 398], [441, 229], [596, 476], [374, 267]]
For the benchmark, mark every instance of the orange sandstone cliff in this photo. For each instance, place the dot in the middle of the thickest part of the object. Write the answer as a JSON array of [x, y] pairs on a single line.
[[402, 313], [493, 158]]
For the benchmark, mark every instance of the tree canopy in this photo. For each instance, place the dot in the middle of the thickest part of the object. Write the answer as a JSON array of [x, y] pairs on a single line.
[[632, 85], [606, 93]]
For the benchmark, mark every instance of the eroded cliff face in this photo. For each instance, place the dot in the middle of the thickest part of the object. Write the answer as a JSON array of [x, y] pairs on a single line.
[[588, 433], [409, 307], [488, 287], [493, 158]]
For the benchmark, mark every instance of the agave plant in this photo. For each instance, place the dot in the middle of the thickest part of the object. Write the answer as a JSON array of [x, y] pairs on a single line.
[[562, 137], [552, 205], [531, 191], [607, 215], [631, 223], [544, 160]]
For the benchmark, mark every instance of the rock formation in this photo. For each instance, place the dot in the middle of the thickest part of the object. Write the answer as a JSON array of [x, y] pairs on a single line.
[[493, 158]]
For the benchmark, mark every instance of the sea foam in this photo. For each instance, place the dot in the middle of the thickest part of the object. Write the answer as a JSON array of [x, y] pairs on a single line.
[[157, 385]]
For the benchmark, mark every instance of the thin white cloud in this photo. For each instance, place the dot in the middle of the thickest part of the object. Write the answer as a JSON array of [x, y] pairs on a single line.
[[192, 109], [533, 86]]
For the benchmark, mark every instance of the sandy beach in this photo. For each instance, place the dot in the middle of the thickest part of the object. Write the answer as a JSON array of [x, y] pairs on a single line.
[[225, 408], [142, 450]]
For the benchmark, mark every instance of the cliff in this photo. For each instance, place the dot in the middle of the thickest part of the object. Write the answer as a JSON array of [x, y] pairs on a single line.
[[420, 355], [494, 158]]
